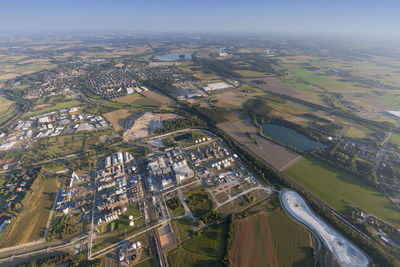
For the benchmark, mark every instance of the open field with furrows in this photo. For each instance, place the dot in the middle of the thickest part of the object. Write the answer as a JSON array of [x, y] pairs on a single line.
[[271, 239], [116, 117], [30, 224], [158, 97], [236, 98], [270, 152], [336, 187], [205, 249]]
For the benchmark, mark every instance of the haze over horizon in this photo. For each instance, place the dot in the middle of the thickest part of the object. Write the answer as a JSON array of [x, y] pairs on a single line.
[[364, 18]]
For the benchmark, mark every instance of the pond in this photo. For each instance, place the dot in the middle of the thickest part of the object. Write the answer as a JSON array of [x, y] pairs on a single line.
[[16, 83], [289, 137], [174, 56]]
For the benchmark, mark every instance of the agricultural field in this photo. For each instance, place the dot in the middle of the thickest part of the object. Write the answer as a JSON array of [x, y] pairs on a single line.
[[276, 85], [4, 105], [148, 103], [271, 239], [395, 139], [199, 201], [356, 132], [11, 68], [117, 118], [30, 224], [337, 188], [158, 97], [250, 73], [129, 99], [205, 249]]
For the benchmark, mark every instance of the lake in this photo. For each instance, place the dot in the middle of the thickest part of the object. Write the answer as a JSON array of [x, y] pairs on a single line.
[[174, 56], [16, 84], [289, 137]]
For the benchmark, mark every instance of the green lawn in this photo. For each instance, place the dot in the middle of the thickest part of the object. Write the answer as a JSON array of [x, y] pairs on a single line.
[[206, 249], [335, 186]]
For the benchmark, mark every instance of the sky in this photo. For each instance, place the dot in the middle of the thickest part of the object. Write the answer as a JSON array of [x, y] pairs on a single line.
[[378, 17]]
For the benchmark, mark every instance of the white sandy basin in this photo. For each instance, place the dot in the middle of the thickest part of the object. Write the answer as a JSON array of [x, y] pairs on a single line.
[[345, 252]]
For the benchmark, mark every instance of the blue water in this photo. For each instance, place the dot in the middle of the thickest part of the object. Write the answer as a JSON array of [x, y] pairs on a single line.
[[289, 137], [174, 56], [16, 83]]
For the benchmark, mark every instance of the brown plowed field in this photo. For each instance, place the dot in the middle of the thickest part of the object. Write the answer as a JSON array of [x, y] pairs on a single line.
[[253, 245], [275, 85], [158, 97]]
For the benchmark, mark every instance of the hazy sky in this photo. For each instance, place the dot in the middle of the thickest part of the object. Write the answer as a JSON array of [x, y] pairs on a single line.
[[314, 16]]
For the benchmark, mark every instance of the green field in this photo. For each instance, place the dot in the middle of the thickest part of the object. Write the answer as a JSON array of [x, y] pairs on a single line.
[[250, 73], [288, 235], [4, 105], [270, 239], [391, 100], [184, 228], [146, 103], [205, 249], [336, 187], [31, 223], [355, 132], [395, 139], [67, 104], [319, 80], [199, 201], [129, 99], [48, 148]]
